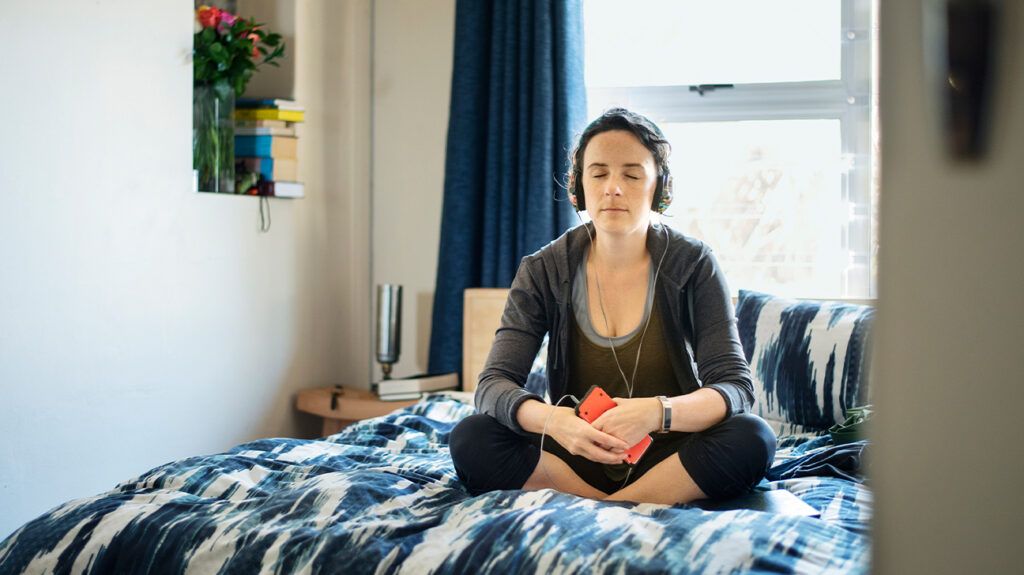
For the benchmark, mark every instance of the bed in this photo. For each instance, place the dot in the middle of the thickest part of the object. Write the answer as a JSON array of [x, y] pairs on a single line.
[[381, 496]]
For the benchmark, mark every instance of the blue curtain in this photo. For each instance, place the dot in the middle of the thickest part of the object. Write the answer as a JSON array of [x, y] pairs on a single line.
[[517, 102]]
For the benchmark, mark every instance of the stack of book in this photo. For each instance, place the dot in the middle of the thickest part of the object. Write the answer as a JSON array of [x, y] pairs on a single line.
[[414, 387], [267, 146]]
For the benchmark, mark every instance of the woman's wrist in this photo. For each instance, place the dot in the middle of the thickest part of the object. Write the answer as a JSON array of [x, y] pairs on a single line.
[[555, 415], [532, 415], [655, 414]]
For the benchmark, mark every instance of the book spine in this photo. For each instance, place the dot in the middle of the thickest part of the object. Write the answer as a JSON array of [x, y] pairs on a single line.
[[263, 124], [269, 114], [400, 396], [250, 103], [435, 383], [266, 146], [264, 131], [282, 190]]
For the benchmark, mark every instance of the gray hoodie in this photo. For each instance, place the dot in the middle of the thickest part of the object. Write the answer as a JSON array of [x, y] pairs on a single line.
[[690, 287]]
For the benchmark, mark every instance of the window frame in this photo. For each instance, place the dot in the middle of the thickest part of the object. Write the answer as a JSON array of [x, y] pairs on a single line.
[[850, 100]]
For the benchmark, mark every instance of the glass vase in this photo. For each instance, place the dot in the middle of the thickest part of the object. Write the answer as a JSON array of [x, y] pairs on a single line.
[[213, 137]]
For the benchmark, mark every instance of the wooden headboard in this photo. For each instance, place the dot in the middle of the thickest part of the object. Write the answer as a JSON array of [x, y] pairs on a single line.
[[481, 317]]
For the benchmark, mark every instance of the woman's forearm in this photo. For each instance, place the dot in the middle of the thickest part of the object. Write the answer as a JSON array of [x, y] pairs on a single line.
[[698, 410], [532, 414], [695, 411]]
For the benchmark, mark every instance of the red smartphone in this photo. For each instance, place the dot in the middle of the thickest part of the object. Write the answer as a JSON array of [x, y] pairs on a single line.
[[596, 402]]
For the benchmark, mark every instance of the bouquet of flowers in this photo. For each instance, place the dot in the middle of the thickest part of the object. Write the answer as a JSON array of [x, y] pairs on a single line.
[[226, 51], [227, 48]]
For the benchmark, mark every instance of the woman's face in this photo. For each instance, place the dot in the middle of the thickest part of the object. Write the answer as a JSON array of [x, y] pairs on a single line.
[[619, 179]]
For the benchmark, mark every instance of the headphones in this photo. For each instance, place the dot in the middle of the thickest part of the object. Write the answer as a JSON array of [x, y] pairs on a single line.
[[662, 191]]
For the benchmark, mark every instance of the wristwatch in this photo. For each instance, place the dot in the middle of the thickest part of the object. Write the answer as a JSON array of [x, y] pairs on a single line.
[[666, 414]]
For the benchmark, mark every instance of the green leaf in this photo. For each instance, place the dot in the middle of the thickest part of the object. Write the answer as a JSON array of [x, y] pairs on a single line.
[[218, 53]]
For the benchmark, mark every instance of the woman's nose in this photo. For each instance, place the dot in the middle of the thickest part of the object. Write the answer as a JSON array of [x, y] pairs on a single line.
[[613, 188]]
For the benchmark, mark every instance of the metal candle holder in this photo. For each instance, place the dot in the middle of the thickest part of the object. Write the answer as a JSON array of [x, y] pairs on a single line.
[[389, 326]]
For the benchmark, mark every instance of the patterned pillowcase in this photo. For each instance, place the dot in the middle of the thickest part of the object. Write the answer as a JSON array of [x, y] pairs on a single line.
[[809, 359]]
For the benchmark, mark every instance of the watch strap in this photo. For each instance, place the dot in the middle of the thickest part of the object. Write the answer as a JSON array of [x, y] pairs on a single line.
[[666, 414]]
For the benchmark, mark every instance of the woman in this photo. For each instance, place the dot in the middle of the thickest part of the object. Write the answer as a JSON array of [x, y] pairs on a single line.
[[637, 309]]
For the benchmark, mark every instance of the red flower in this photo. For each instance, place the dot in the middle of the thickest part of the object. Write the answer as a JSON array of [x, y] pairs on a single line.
[[255, 50], [209, 16]]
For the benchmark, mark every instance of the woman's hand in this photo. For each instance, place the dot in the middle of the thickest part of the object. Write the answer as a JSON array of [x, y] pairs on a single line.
[[631, 419], [580, 438]]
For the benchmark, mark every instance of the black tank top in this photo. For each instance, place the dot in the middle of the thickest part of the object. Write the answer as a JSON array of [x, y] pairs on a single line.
[[593, 364]]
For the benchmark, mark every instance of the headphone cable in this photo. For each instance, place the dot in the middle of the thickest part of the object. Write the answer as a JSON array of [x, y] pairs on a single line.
[[545, 432], [600, 299]]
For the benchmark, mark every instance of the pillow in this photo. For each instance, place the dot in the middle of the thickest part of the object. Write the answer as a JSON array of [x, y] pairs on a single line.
[[809, 359], [537, 379]]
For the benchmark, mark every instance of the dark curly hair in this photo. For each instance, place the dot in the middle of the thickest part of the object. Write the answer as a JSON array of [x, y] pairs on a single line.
[[622, 119]]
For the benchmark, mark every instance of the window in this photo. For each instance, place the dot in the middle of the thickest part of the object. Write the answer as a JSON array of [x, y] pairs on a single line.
[[768, 109]]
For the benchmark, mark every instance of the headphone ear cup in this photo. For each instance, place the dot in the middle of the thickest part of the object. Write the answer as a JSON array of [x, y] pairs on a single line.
[[663, 195], [659, 189], [577, 192]]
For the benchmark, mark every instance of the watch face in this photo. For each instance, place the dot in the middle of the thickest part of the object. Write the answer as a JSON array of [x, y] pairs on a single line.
[[666, 417]]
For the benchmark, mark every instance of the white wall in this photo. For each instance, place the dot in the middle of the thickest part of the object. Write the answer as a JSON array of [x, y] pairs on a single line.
[[141, 322], [948, 465], [333, 81], [413, 43]]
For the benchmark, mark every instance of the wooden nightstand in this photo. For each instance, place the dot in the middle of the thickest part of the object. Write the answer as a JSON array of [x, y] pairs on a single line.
[[349, 406]]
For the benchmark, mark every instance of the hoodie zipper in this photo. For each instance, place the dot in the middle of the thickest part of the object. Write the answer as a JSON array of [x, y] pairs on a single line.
[[559, 339]]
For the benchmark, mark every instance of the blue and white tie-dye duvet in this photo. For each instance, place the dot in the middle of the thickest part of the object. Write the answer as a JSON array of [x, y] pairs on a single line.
[[382, 497]]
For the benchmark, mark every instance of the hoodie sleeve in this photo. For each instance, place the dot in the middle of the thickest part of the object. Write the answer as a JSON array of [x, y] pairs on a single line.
[[500, 390], [719, 355]]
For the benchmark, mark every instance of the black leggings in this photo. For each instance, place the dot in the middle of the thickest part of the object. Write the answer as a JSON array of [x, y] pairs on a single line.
[[724, 460]]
